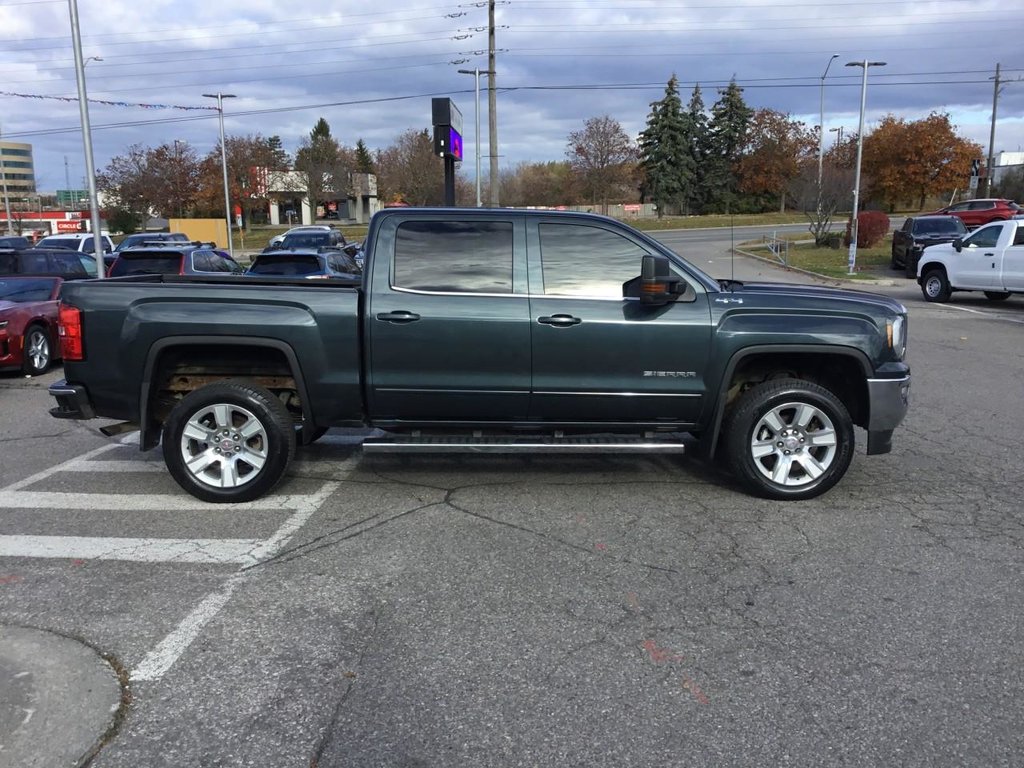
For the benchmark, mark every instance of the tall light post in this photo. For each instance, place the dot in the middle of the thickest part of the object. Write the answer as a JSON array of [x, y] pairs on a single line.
[[91, 58], [224, 162], [852, 259], [821, 126], [839, 134], [7, 200], [90, 166], [476, 138]]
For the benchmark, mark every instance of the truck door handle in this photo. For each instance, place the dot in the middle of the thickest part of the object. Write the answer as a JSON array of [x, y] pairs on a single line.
[[559, 321], [398, 317]]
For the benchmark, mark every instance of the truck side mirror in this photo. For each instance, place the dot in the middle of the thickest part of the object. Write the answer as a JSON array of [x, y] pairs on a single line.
[[958, 244], [658, 286]]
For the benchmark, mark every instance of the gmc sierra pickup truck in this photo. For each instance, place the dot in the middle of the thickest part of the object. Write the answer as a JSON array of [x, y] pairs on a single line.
[[488, 330]]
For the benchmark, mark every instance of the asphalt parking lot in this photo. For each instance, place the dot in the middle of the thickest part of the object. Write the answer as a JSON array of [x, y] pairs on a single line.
[[508, 610]]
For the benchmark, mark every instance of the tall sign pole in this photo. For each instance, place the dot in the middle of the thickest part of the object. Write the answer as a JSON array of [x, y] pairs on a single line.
[[447, 121], [90, 166]]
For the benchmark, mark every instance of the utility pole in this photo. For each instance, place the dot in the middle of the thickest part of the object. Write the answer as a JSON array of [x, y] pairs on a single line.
[[492, 108], [224, 162], [987, 187]]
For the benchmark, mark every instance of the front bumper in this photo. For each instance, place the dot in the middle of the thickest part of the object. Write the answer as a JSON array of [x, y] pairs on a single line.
[[72, 401], [888, 401]]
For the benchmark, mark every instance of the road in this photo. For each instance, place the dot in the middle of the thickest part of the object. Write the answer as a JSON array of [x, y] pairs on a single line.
[[562, 611]]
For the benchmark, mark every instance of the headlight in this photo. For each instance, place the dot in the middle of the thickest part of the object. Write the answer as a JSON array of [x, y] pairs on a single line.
[[897, 332]]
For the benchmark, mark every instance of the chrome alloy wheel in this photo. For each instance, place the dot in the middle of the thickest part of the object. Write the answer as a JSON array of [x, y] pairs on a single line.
[[224, 445], [793, 444], [37, 350]]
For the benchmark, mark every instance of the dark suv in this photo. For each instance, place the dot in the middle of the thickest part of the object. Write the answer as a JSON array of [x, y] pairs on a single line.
[[174, 259], [917, 233], [42, 261]]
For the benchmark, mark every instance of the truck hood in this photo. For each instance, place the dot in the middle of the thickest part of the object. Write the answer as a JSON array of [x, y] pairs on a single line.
[[773, 295]]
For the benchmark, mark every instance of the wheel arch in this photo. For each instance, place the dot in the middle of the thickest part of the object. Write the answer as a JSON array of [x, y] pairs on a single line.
[[842, 370], [177, 349]]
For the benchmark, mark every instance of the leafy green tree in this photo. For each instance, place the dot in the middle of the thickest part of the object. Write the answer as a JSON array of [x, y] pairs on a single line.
[[727, 129], [666, 159], [364, 160], [697, 120]]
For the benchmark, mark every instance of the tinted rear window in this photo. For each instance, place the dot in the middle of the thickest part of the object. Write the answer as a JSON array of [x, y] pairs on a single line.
[[58, 242], [20, 291], [147, 264], [286, 265], [308, 240]]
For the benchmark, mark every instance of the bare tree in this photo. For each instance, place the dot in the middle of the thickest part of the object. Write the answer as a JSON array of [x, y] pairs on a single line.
[[174, 169], [128, 182], [602, 157], [836, 191], [325, 164], [408, 171]]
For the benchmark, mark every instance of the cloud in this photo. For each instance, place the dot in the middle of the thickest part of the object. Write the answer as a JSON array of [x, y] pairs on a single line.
[[371, 70]]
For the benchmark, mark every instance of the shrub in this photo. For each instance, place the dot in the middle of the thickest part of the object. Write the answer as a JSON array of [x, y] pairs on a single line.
[[872, 227]]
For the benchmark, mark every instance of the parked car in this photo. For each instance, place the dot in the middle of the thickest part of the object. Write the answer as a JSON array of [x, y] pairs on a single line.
[[990, 260], [917, 233], [276, 239], [974, 213], [15, 241], [148, 238], [306, 263], [28, 323], [330, 238], [75, 241], [174, 259], [42, 261]]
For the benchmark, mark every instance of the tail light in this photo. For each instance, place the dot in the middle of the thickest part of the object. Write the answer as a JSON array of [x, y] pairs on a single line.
[[69, 328]]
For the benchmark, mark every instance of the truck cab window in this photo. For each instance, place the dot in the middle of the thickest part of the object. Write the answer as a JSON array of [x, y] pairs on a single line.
[[986, 237], [454, 256], [583, 260]]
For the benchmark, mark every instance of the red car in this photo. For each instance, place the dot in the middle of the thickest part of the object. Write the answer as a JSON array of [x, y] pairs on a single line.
[[28, 323], [974, 213]]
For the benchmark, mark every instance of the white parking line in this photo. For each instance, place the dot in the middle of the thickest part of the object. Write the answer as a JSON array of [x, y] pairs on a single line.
[[223, 551], [136, 502]]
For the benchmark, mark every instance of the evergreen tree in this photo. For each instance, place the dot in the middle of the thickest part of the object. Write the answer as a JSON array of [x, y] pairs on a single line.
[[697, 123], [279, 158], [727, 134], [364, 161], [665, 151]]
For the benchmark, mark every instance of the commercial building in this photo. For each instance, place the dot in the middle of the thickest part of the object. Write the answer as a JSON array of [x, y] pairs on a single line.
[[17, 171]]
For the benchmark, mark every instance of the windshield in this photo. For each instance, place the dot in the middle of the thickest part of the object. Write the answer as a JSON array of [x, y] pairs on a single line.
[[950, 226], [306, 240], [20, 291], [58, 242]]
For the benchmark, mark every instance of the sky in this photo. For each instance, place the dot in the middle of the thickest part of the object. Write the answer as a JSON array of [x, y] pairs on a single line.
[[371, 69]]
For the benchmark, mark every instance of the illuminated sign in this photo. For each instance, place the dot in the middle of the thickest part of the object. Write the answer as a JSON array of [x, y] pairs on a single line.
[[447, 142]]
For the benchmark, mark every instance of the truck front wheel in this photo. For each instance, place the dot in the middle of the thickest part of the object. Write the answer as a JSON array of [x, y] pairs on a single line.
[[229, 441], [789, 439], [935, 285]]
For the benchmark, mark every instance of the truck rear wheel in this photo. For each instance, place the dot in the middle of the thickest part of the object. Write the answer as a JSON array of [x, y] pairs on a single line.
[[229, 441], [789, 439]]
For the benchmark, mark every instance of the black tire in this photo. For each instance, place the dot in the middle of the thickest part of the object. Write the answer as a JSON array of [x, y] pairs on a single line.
[[997, 295], [788, 439], [37, 351], [244, 434], [935, 286]]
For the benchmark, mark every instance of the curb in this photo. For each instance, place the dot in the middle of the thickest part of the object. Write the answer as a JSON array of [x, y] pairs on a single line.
[[881, 281]]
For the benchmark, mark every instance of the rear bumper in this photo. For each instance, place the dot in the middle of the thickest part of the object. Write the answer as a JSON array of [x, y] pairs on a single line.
[[888, 401], [72, 401]]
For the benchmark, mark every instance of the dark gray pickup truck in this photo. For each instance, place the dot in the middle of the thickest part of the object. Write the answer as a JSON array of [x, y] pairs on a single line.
[[489, 330]]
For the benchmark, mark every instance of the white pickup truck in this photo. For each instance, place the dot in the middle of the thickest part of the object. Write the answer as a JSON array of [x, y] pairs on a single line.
[[990, 259]]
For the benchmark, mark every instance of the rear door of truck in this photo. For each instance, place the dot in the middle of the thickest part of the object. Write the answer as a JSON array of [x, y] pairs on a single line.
[[447, 321]]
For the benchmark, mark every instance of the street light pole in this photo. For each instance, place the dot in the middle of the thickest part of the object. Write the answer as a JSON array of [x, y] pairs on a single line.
[[839, 134], [90, 166], [224, 161], [7, 200], [821, 126], [852, 258]]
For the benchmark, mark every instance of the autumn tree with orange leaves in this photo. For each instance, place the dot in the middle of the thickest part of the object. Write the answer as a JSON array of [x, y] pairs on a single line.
[[911, 161], [776, 148]]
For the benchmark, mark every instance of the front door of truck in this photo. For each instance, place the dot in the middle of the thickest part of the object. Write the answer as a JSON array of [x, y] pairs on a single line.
[[448, 329], [978, 262], [602, 358]]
